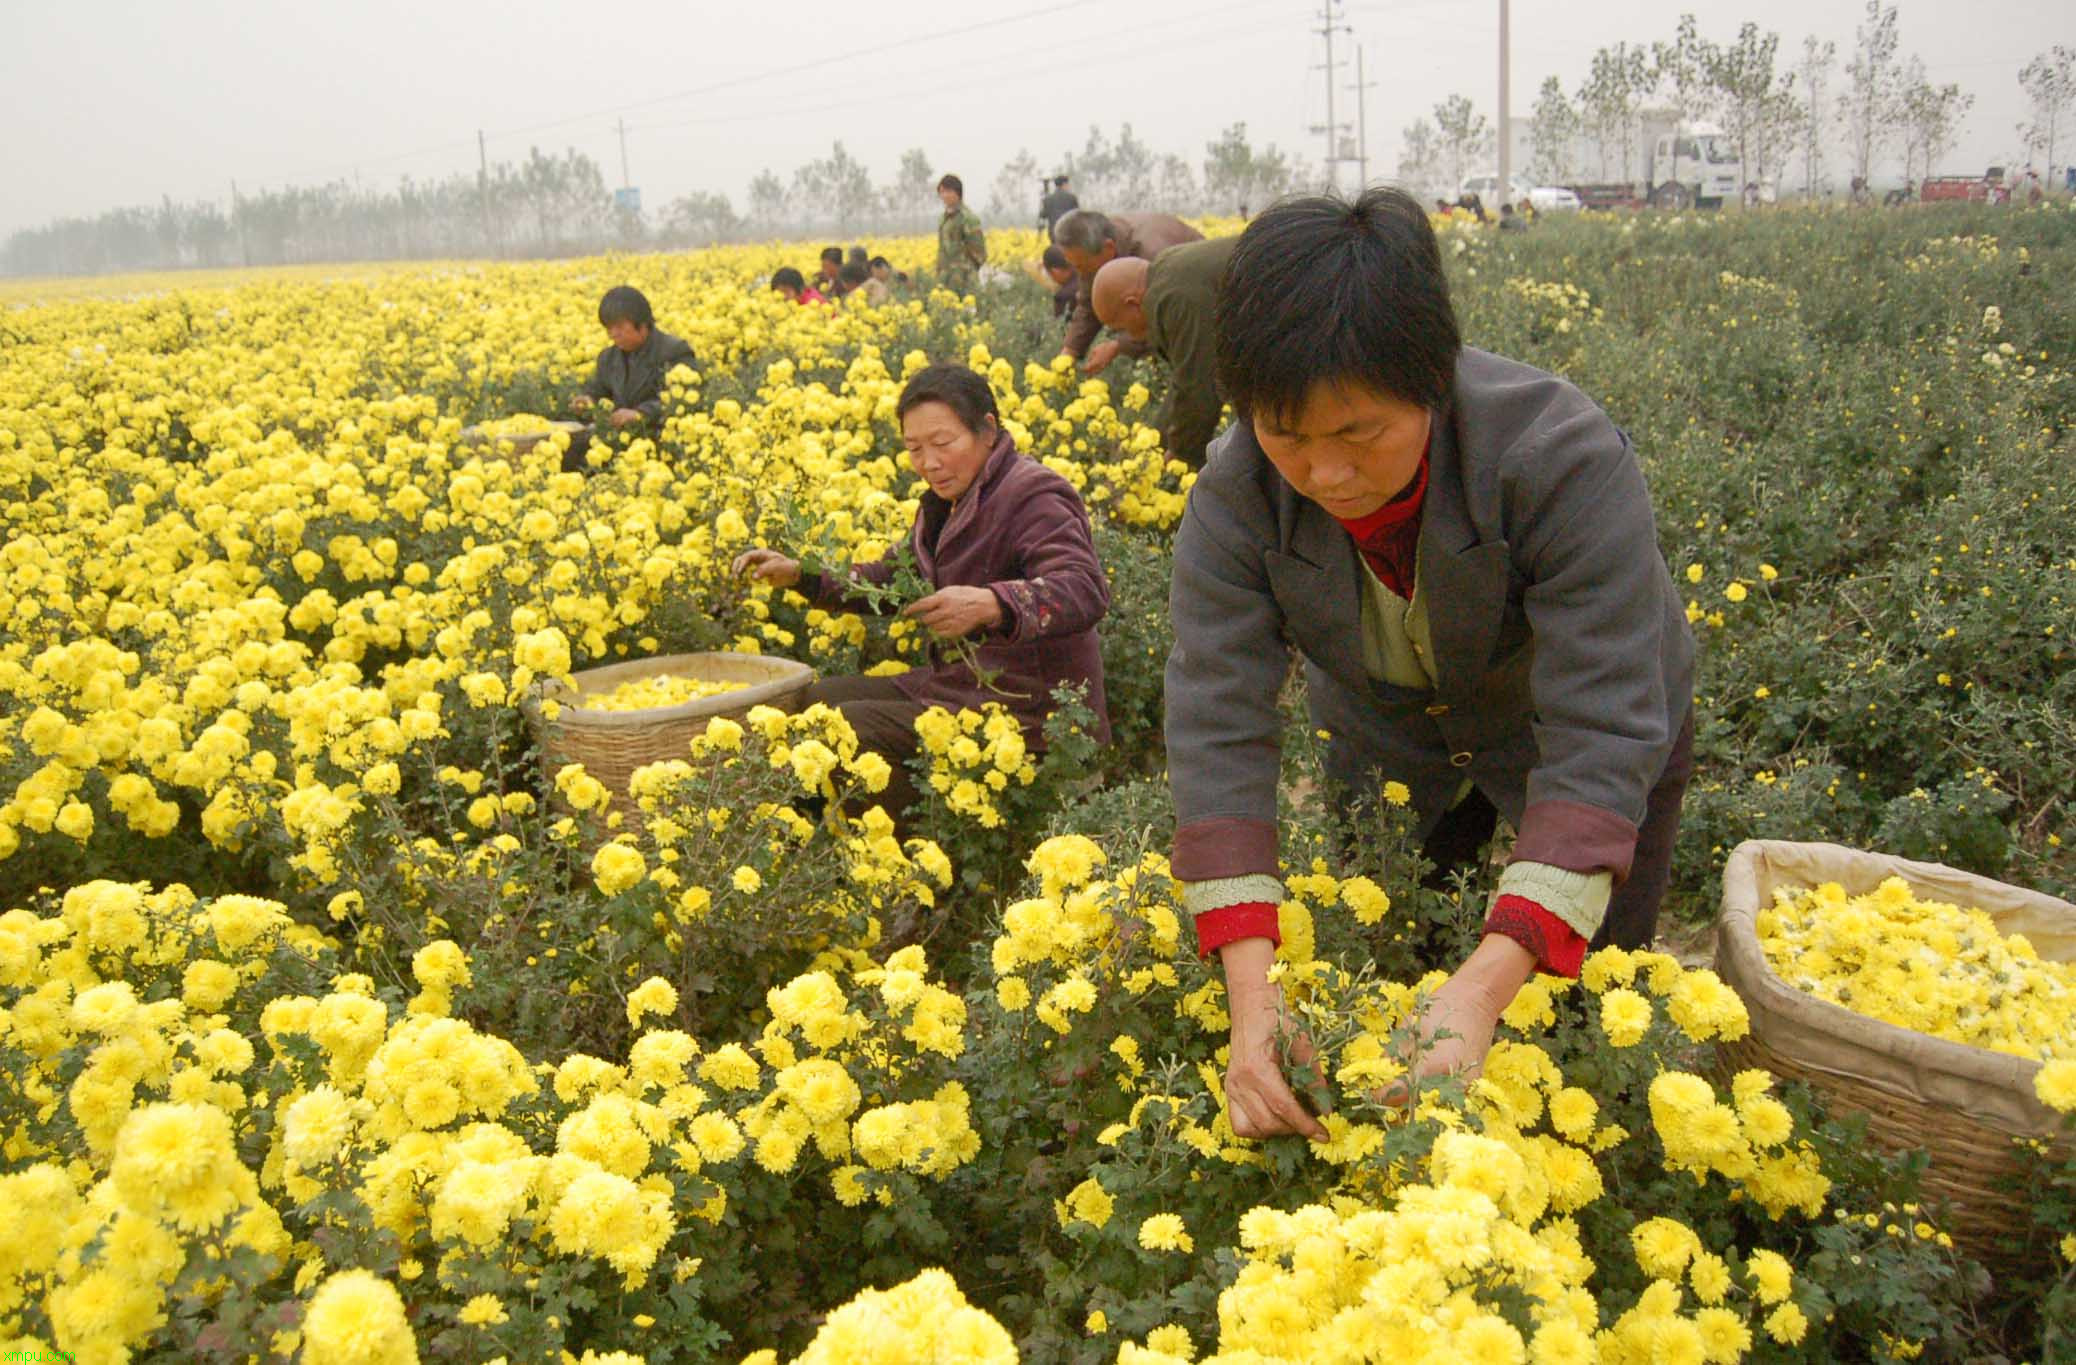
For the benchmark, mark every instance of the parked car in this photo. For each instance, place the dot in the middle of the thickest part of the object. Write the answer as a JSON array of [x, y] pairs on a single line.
[[1541, 198]]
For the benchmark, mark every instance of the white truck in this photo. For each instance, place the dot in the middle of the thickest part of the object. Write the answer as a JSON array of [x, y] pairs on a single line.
[[1689, 164]]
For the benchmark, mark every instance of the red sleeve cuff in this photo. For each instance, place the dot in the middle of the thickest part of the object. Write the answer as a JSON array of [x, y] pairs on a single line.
[[1559, 949], [1231, 923]]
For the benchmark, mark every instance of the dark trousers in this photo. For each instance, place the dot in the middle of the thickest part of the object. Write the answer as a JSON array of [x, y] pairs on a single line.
[[573, 461], [1632, 911], [884, 720]]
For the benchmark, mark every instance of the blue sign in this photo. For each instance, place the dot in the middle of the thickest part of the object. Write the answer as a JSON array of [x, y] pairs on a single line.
[[628, 200]]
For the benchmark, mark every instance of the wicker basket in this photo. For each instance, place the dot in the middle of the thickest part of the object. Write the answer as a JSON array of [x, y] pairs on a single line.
[[612, 744], [1963, 1106], [477, 438]]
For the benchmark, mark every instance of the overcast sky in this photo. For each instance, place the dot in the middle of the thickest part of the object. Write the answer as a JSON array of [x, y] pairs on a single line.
[[110, 102]]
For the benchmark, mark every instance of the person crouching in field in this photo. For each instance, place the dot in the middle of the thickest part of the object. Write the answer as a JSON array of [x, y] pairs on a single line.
[[1005, 543], [630, 370], [1463, 550], [791, 286]]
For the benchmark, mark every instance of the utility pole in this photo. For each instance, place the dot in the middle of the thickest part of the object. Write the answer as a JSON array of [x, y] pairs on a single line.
[[1362, 121], [483, 184], [624, 181], [238, 217], [1506, 122], [1329, 23]]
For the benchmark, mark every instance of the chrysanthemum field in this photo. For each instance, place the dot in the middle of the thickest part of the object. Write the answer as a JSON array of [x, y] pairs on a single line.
[[336, 1028]]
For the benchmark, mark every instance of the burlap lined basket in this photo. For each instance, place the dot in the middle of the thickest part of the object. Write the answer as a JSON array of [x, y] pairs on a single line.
[[476, 438], [1964, 1106], [612, 744]]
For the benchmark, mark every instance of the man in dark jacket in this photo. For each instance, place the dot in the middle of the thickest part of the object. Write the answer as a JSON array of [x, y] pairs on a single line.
[[631, 369], [1091, 241], [1463, 551], [1168, 304], [1057, 205]]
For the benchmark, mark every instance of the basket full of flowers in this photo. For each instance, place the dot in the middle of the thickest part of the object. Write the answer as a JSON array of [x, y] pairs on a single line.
[[1940, 1004]]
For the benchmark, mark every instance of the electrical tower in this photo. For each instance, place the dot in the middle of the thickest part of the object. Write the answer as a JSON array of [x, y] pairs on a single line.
[[1362, 88], [1337, 133]]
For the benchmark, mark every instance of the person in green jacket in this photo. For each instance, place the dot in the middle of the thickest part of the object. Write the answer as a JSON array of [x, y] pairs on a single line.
[[962, 246], [1168, 303]]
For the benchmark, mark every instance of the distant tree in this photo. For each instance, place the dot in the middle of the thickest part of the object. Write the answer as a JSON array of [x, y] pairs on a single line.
[[1679, 76], [1117, 176], [1868, 106], [701, 218], [2049, 81], [1609, 100], [1747, 93], [1420, 159], [1175, 188], [1812, 75], [1463, 138], [767, 203], [850, 187], [909, 199], [1774, 140], [834, 191], [566, 195], [1238, 177], [209, 235], [1931, 119], [1553, 135], [1014, 194], [1133, 170]]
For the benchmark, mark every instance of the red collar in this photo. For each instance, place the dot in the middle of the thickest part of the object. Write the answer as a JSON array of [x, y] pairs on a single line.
[[1401, 509]]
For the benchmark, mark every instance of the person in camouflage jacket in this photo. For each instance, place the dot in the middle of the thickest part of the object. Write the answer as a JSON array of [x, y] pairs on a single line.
[[962, 245]]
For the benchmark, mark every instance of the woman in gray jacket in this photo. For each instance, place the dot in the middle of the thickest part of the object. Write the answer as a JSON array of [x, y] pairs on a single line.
[[1462, 550]]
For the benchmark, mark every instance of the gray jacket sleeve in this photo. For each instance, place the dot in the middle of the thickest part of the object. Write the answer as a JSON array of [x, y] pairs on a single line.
[[1225, 671], [1597, 604]]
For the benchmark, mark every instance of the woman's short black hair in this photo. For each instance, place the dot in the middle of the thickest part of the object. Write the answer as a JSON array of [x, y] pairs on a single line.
[[962, 390], [833, 255], [1319, 288], [878, 261], [786, 277], [954, 184], [625, 303], [1055, 259]]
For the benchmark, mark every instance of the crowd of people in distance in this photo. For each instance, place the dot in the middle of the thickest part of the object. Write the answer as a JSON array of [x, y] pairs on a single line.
[[840, 275]]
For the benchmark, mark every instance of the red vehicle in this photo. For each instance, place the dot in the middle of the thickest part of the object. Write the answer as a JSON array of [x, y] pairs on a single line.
[[1973, 188]]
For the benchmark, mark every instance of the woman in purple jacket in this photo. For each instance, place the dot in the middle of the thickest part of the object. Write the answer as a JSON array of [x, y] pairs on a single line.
[[1005, 542]]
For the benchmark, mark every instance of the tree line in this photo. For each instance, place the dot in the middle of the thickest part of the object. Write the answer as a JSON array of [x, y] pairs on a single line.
[[1787, 113], [550, 205]]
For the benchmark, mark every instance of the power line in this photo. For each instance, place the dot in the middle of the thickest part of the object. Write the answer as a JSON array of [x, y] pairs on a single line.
[[844, 58], [982, 79], [734, 82], [1022, 61]]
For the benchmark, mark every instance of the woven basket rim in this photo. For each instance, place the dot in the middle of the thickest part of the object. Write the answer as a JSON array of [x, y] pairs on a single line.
[[1740, 955], [785, 676]]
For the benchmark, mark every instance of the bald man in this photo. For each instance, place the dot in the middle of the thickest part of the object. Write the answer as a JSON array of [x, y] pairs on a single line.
[[1169, 304], [1091, 240]]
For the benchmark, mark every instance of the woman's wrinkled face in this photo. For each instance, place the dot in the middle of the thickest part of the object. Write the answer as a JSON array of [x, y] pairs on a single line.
[[943, 451], [628, 336], [1350, 449]]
